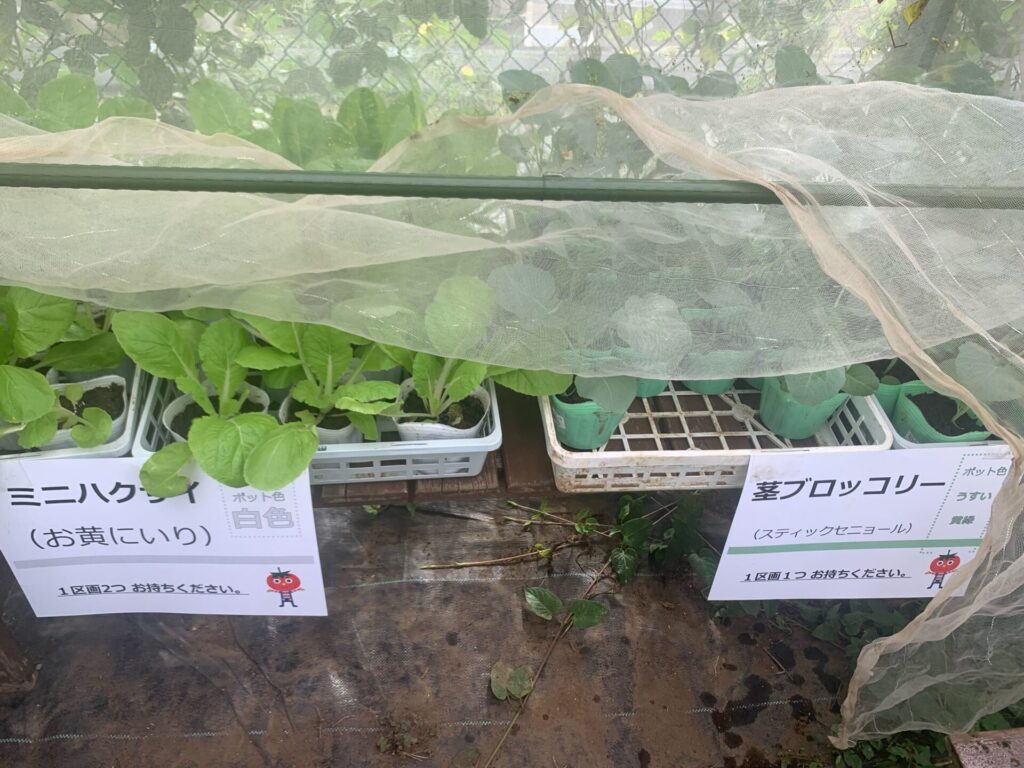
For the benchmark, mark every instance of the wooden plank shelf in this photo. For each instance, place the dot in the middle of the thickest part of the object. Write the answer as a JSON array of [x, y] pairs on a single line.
[[521, 469]]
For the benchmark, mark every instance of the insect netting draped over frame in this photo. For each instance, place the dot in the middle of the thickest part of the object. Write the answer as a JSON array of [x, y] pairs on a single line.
[[681, 291]]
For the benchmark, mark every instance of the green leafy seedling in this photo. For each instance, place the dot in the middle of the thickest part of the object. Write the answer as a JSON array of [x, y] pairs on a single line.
[[325, 370], [40, 332], [456, 321], [818, 386], [234, 448]]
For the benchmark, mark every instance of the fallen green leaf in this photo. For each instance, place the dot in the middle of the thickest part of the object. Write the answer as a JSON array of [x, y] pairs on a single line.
[[586, 613], [543, 602], [500, 674]]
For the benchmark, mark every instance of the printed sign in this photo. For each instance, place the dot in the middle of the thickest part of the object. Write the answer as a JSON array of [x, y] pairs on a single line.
[[844, 525], [83, 537]]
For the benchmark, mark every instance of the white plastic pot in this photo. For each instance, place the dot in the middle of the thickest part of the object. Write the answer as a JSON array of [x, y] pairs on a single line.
[[124, 369], [425, 430], [63, 437], [276, 394], [179, 404], [9, 442], [326, 436]]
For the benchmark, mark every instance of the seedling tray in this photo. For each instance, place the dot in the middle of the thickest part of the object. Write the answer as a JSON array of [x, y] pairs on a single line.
[[387, 460], [684, 440], [899, 442], [136, 383]]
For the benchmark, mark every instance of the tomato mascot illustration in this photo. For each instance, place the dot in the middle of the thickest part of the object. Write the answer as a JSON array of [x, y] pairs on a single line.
[[286, 584], [941, 567]]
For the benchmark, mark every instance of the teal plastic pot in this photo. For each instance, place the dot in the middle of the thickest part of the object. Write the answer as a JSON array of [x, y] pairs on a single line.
[[709, 386], [787, 418], [650, 387], [887, 395], [911, 424], [755, 383], [583, 426]]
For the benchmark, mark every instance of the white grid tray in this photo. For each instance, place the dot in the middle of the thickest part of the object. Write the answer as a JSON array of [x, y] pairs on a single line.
[[117, 447], [385, 461], [684, 440]]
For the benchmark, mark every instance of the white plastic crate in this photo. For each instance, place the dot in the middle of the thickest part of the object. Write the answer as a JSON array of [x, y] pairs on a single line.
[[118, 447], [901, 443], [386, 460], [684, 440]]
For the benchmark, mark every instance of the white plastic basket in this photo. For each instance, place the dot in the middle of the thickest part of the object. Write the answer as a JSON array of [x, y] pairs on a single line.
[[117, 447], [386, 460], [684, 440]]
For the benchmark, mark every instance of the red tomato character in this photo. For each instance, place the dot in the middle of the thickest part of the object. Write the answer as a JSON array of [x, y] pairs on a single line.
[[285, 584], [283, 581], [944, 564]]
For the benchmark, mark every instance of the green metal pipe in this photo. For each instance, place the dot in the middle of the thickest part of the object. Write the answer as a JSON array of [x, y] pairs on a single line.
[[556, 188]]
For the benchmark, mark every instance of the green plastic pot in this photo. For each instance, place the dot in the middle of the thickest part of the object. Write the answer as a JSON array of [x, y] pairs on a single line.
[[911, 424], [755, 383], [709, 386], [887, 395], [787, 418], [583, 426], [650, 387]]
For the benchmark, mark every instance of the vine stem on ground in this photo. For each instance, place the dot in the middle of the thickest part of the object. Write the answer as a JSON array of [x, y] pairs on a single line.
[[511, 519], [520, 558], [563, 630], [553, 516], [662, 508]]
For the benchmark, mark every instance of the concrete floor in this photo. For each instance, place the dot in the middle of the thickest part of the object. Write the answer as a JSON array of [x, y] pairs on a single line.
[[406, 654]]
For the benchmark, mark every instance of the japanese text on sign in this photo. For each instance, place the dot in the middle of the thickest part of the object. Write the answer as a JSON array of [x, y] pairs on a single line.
[[96, 542], [868, 524]]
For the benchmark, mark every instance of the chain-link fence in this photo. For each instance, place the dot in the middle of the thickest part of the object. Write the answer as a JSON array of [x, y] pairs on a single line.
[[452, 52]]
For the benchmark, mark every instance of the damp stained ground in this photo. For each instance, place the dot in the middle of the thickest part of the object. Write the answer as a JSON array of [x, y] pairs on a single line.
[[398, 673]]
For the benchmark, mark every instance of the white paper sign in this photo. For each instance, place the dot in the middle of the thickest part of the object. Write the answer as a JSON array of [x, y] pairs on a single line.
[[83, 537], [844, 525]]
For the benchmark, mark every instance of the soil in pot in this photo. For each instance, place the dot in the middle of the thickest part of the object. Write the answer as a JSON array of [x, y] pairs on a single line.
[[193, 411], [939, 410], [899, 371], [571, 396], [462, 415], [334, 420], [109, 398]]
